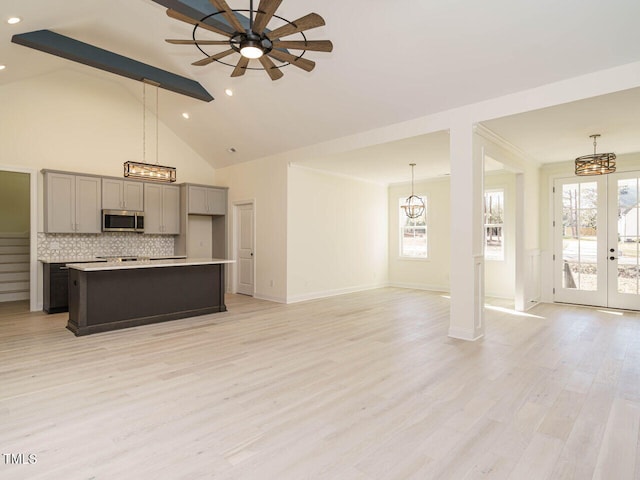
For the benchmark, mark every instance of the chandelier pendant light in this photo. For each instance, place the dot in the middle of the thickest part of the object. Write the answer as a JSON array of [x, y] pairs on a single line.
[[143, 170], [414, 205], [596, 164]]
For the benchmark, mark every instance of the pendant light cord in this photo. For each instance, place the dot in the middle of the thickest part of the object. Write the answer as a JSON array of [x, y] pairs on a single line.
[[157, 115], [144, 122]]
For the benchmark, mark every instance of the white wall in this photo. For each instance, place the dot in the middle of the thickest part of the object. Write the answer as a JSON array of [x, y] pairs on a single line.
[[265, 183], [337, 234], [78, 122], [432, 273]]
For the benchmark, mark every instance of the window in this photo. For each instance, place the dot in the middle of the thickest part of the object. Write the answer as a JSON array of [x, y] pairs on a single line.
[[413, 232], [493, 224]]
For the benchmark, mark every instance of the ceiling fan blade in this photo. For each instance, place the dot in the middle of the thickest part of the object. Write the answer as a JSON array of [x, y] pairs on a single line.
[[184, 18], [241, 67], [265, 11], [312, 45], [307, 22], [223, 7], [194, 42], [302, 63], [274, 72], [213, 58]]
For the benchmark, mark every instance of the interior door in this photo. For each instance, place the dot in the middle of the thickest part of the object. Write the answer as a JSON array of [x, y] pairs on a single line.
[[597, 240], [245, 247]]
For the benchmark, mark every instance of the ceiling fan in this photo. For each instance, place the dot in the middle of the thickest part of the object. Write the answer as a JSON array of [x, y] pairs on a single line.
[[253, 40]]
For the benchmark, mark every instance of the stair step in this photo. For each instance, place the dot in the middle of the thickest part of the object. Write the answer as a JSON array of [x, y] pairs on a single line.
[[13, 296], [14, 249], [13, 287], [14, 257], [14, 276], [14, 267], [13, 240]]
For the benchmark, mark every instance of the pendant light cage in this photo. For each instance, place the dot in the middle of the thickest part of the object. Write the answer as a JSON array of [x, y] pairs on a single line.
[[597, 163], [143, 170], [414, 205]]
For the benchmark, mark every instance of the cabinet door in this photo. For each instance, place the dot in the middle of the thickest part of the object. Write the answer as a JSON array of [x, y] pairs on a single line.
[[88, 204], [198, 200], [112, 194], [133, 196], [216, 201], [60, 213], [152, 208], [171, 210]]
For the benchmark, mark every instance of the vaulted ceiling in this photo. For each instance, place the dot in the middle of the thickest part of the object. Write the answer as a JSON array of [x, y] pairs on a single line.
[[392, 61]]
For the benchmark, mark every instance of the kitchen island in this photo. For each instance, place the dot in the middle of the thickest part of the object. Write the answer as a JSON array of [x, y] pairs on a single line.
[[112, 295]]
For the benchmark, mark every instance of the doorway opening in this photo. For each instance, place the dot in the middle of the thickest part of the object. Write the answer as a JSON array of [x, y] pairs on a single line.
[[18, 241]]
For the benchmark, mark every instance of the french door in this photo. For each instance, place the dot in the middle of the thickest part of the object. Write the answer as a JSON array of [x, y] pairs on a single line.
[[597, 240]]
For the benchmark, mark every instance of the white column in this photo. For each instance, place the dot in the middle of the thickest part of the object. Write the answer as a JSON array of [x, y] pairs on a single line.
[[467, 249]]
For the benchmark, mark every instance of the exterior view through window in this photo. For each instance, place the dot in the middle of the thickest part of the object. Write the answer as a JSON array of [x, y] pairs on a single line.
[[413, 232], [493, 224]]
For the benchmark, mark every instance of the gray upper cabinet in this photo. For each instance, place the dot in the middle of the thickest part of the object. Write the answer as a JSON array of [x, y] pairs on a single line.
[[161, 209], [207, 200], [122, 195], [73, 203]]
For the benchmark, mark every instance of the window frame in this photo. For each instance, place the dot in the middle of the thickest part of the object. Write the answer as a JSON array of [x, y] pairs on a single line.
[[503, 257], [402, 227]]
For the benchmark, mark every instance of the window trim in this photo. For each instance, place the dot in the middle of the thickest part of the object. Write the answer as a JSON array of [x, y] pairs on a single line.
[[400, 228], [494, 189]]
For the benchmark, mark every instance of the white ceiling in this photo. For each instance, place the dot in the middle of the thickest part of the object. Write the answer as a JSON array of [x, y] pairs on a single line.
[[392, 61]]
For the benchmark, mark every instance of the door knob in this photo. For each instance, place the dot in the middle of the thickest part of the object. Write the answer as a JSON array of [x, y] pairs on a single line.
[[612, 257], [612, 250]]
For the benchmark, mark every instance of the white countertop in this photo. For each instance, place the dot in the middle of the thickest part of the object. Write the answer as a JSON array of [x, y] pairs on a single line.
[[174, 262], [96, 259]]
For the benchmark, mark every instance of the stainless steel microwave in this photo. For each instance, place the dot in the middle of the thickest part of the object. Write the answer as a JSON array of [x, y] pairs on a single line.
[[122, 221]]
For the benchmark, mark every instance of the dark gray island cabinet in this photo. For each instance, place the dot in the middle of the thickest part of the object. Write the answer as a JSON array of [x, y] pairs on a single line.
[[109, 296]]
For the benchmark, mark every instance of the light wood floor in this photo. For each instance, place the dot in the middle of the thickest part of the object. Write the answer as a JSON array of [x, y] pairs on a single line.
[[360, 386]]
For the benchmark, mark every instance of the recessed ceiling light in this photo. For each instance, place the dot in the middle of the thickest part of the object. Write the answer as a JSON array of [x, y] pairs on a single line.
[[186, 115], [229, 92], [2, 67], [14, 20], [232, 150]]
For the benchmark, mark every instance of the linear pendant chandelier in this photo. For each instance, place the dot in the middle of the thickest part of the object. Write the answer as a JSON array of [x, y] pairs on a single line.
[[596, 164], [143, 170]]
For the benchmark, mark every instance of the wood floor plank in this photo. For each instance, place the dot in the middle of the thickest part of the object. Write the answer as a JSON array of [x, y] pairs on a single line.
[[361, 386]]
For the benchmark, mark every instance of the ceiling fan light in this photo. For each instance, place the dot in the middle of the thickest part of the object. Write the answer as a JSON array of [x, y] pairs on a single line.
[[251, 51]]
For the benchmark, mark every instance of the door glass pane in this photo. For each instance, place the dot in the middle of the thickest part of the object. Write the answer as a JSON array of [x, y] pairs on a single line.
[[579, 236], [628, 236]]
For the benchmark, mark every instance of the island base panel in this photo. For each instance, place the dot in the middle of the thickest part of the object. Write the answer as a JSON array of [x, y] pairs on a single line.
[[100, 301]]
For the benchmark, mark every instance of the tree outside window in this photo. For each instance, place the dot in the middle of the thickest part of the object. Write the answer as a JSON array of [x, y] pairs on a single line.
[[494, 224], [413, 232]]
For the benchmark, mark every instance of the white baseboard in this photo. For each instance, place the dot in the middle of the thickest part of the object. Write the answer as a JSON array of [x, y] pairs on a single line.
[[420, 286], [464, 334], [332, 293], [269, 298]]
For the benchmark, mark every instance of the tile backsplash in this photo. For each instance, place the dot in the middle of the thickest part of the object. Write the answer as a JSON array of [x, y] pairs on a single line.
[[71, 245]]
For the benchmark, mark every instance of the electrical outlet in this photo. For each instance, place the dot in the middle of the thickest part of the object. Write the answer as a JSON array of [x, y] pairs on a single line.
[[271, 283]]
